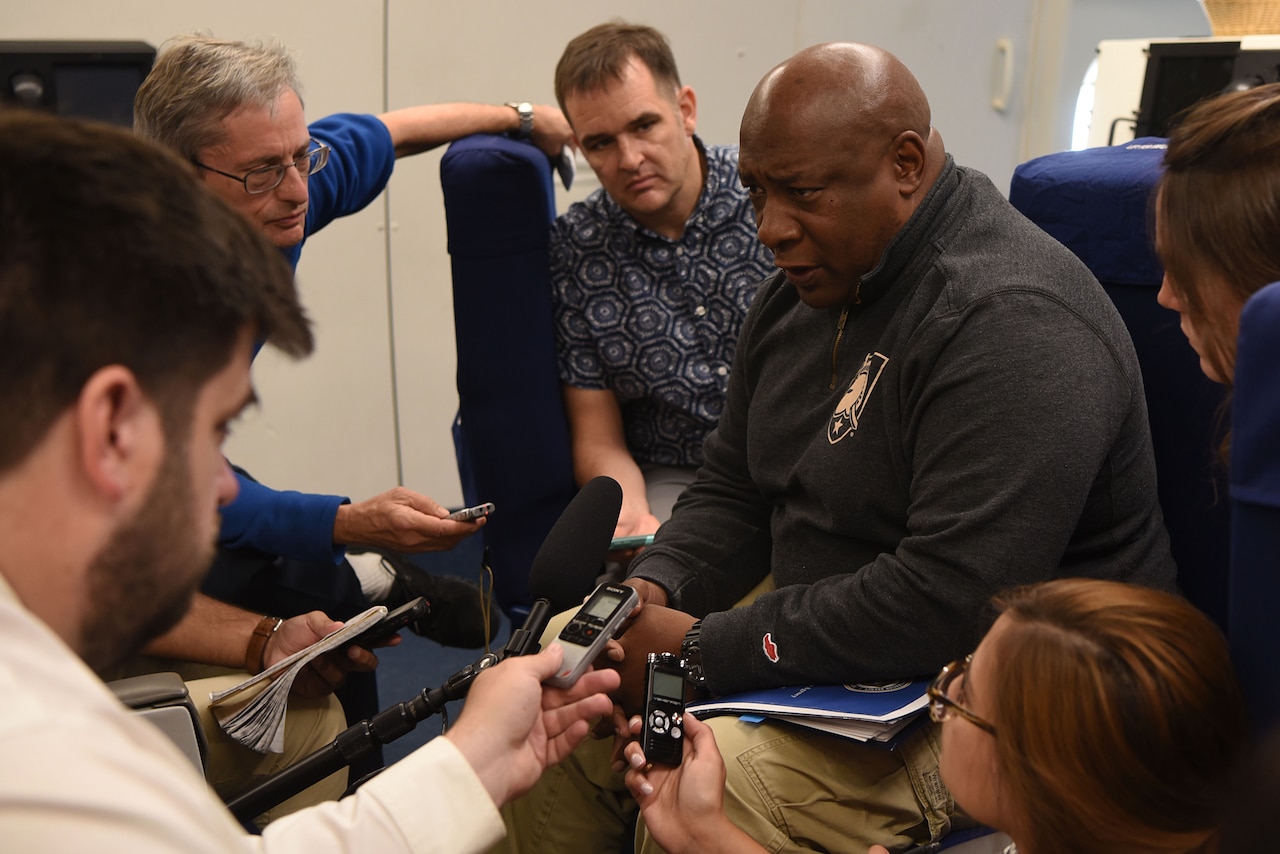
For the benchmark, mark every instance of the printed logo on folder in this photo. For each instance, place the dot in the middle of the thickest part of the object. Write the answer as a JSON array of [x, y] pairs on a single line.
[[877, 687]]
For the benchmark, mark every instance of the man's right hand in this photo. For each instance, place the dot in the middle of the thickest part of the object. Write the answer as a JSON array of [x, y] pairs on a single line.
[[513, 727], [400, 520], [635, 523], [551, 131]]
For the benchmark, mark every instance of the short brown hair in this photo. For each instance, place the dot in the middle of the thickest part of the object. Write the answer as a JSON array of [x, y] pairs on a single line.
[[597, 57], [1118, 716], [1218, 209], [112, 252], [197, 81]]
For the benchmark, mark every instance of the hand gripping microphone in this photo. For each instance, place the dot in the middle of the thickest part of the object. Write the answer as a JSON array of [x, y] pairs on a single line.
[[570, 559]]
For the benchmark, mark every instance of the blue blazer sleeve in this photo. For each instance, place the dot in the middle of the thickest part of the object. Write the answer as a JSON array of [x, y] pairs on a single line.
[[291, 524]]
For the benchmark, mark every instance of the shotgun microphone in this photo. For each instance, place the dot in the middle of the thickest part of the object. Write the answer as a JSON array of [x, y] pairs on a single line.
[[570, 559]]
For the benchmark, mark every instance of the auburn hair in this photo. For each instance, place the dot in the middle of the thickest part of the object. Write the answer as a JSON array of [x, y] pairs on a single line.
[[1119, 716]]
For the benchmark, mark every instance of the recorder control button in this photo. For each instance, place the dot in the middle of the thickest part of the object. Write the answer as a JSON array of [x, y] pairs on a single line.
[[658, 722]]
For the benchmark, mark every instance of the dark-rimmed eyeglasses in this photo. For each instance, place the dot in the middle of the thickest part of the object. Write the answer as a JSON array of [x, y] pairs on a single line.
[[267, 178], [942, 707]]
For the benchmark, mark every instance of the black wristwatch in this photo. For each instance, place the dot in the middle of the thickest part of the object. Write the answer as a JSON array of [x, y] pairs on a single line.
[[525, 111], [691, 653]]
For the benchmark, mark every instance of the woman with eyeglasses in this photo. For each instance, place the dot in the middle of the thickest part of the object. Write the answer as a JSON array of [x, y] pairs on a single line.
[[1094, 717]]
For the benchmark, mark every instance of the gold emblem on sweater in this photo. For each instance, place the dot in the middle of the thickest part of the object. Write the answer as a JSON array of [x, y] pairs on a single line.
[[845, 419]]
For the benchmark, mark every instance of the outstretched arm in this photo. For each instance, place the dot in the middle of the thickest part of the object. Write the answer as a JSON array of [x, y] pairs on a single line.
[[422, 128]]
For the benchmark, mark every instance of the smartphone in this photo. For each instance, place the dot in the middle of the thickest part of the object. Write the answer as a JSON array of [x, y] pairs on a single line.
[[468, 514], [590, 629], [635, 542], [393, 622], [662, 733]]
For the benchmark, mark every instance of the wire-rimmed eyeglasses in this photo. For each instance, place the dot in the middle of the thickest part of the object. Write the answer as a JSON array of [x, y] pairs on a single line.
[[267, 178], [942, 707]]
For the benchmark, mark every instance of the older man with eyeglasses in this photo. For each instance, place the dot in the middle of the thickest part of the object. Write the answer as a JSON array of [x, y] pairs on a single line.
[[266, 188]]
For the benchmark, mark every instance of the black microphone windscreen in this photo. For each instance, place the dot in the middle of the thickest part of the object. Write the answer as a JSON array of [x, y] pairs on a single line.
[[572, 556]]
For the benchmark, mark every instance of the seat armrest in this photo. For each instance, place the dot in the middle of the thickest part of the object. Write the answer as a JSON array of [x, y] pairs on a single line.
[[163, 700], [150, 689]]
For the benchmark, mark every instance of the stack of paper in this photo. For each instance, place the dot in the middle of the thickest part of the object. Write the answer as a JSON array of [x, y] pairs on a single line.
[[864, 712], [253, 712]]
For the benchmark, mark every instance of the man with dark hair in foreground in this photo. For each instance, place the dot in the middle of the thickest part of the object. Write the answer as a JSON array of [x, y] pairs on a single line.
[[130, 301]]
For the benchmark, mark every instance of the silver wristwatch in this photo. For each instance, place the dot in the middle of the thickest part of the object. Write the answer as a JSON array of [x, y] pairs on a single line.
[[525, 111]]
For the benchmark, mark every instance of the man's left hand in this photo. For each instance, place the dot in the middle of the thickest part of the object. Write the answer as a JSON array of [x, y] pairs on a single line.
[[327, 672]]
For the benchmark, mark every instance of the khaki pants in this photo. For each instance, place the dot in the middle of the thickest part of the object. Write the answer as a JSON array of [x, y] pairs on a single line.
[[231, 768], [792, 789], [789, 787]]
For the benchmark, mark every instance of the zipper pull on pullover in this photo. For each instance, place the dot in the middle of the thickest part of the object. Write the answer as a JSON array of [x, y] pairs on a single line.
[[835, 347]]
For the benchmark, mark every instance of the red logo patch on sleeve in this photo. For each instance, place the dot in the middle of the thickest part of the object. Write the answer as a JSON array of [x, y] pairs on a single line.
[[770, 648]]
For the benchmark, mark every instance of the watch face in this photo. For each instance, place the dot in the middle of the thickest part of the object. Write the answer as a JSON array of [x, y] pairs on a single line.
[[525, 111]]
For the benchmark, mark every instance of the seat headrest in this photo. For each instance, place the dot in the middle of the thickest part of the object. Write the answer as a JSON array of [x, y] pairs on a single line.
[[1096, 202]]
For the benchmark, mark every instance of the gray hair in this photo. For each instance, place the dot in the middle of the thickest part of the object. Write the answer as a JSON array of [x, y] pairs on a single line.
[[197, 81]]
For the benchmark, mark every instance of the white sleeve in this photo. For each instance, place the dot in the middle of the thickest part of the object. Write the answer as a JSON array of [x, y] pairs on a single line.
[[430, 801]]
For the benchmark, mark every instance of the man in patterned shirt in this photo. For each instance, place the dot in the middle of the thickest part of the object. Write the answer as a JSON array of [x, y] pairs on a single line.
[[651, 276]]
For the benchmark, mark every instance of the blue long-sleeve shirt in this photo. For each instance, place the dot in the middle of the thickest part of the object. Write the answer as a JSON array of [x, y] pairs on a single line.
[[296, 524]]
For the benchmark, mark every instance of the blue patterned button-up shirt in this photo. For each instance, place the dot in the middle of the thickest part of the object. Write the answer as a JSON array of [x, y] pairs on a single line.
[[656, 319]]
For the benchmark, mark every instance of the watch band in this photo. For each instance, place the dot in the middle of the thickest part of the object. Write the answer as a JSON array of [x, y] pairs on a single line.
[[255, 653], [691, 653], [525, 111]]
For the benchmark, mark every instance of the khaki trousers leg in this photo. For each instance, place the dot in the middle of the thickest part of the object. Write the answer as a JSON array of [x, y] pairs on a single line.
[[231, 768], [790, 788], [795, 789]]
